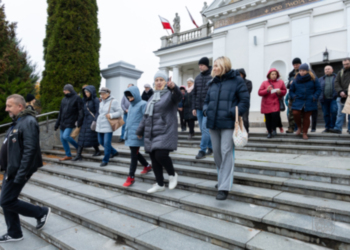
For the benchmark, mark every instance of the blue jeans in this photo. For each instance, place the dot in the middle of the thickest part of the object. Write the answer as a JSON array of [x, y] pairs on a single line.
[[330, 110], [105, 139], [66, 139], [206, 141], [123, 128], [340, 117]]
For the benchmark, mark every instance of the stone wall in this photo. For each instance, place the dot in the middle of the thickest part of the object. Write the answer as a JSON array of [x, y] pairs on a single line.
[[48, 135]]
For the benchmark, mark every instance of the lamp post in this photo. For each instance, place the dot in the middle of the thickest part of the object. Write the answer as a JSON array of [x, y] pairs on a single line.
[[326, 56]]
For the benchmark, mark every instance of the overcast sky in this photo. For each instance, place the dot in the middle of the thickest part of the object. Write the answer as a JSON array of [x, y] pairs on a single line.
[[130, 29]]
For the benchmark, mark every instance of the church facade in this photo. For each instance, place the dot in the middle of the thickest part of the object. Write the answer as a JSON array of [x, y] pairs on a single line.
[[261, 34]]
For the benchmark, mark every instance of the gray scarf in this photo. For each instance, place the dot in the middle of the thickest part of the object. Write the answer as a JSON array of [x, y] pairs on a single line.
[[155, 98]]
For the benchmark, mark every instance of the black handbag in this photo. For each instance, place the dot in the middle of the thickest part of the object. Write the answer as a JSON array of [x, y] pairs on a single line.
[[281, 100]]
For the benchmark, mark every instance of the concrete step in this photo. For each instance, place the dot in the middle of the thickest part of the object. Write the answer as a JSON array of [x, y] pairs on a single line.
[[133, 231], [300, 186], [283, 148], [189, 166], [171, 216], [244, 192], [312, 136], [177, 197], [30, 240]]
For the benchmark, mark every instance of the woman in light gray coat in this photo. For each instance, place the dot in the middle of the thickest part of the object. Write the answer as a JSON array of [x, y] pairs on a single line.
[[159, 128], [103, 127]]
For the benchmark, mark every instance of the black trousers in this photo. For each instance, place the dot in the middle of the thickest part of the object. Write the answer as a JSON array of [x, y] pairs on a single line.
[[160, 159], [135, 157], [273, 120], [190, 124], [314, 119], [182, 120], [13, 207], [246, 120]]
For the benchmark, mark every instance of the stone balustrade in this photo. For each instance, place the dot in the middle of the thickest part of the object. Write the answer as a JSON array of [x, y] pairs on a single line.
[[187, 36]]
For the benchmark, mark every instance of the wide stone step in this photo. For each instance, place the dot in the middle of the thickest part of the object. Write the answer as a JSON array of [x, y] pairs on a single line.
[[320, 189], [172, 216], [282, 148], [115, 224], [175, 196], [30, 240], [312, 136], [190, 166]]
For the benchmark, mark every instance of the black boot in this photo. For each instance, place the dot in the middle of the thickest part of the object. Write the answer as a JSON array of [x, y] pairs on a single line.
[[78, 156], [97, 151], [222, 195]]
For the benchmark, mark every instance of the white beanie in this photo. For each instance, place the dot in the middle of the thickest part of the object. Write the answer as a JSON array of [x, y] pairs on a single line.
[[162, 75]]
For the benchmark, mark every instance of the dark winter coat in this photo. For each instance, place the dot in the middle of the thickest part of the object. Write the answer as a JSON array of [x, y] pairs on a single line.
[[224, 94], [24, 153], [71, 111], [200, 89], [247, 82], [187, 105], [88, 137], [135, 114], [305, 93], [322, 82], [342, 81], [146, 96], [161, 130], [291, 77]]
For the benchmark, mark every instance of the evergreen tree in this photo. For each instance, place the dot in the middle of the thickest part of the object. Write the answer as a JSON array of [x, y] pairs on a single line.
[[71, 49], [17, 73]]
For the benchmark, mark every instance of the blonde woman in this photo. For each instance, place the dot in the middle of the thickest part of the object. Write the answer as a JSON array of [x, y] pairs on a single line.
[[159, 129], [304, 91], [226, 91]]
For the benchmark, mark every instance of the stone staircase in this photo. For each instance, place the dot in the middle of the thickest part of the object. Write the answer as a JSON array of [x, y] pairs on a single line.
[[271, 206], [318, 144]]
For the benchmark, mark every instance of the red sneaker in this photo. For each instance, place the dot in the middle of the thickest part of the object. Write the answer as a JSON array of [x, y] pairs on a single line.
[[146, 169], [129, 182]]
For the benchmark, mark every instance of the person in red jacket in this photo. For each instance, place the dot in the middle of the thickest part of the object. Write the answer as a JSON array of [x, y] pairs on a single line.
[[271, 90]]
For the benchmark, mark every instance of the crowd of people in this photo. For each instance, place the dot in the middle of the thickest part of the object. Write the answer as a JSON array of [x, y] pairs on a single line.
[[212, 99]]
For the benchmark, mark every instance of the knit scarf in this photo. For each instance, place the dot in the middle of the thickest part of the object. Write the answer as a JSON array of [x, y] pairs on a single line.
[[189, 89], [155, 98]]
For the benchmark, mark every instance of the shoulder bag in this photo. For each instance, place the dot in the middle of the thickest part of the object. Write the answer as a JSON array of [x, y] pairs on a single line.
[[240, 135], [281, 100], [115, 123], [93, 124]]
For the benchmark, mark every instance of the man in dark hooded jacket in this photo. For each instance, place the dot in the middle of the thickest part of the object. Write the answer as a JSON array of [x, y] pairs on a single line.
[[199, 94], [71, 115], [250, 88]]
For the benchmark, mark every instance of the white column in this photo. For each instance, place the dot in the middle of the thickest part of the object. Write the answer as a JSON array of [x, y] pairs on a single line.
[[347, 5], [219, 44], [176, 75], [300, 29], [256, 66]]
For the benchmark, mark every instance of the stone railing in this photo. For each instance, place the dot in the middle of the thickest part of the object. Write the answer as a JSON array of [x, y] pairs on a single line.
[[187, 36]]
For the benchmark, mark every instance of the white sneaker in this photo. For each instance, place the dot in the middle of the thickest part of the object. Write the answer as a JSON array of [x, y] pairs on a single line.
[[155, 188], [172, 181]]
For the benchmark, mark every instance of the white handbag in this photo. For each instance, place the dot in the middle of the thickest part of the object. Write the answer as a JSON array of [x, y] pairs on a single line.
[[240, 135]]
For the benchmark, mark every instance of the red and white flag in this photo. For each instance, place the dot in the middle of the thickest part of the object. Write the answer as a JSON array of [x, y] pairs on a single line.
[[166, 24], [193, 21]]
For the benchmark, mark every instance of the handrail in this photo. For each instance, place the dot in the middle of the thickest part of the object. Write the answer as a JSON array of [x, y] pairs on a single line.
[[37, 116]]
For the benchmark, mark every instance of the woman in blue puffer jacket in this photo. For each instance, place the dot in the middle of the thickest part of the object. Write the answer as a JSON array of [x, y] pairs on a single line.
[[135, 114], [304, 91]]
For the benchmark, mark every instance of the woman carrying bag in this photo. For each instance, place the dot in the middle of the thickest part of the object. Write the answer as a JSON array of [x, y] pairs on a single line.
[[272, 91], [88, 135], [110, 110], [226, 91]]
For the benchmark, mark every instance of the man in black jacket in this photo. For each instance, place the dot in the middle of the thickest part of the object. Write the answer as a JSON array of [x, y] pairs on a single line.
[[20, 157], [249, 85], [199, 93], [71, 115], [147, 93]]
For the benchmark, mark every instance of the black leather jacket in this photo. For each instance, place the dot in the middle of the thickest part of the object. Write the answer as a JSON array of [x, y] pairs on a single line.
[[200, 89], [24, 153]]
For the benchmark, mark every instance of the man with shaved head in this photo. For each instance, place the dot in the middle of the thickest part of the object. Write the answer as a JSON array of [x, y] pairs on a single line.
[[328, 98], [20, 157]]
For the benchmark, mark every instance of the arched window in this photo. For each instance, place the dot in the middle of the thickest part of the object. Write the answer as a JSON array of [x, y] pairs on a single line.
[[282, 68]]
